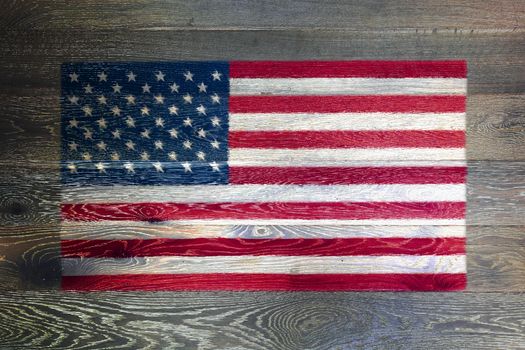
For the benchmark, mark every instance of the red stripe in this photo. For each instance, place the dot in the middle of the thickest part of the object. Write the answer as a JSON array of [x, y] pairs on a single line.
[[347, 103], [348, 69], [347, 175], [346, 139], [239, 246], [268, 282], [277, 210]]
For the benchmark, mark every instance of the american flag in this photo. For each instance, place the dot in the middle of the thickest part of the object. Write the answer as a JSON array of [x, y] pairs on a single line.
[[265, 175]]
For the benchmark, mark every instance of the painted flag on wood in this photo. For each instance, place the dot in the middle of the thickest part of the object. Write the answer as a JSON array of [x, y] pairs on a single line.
[[262, 175]]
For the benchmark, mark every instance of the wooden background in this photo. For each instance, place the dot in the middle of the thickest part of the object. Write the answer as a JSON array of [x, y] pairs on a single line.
[[36, 36]]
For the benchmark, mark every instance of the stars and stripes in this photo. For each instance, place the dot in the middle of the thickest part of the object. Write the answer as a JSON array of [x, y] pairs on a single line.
[[147, 115], [264, 175]]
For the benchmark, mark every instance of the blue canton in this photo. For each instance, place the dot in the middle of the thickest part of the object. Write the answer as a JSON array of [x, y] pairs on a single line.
[[145, 123]]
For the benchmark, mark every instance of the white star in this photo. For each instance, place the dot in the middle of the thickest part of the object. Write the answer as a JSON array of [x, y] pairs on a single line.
[[73, 99], [159, 144], [214, 166], [215, 144], [87, 110], [86, 156], [116, 134], [102, 76], [144, 156], [130, 145], [73, 123], [160, 76], [116, 111], [202, 87], [115, 156], [73, 146], [145, 88], [158, 167], [159, 99], [74, 77], [174, 133], [88, 89], [174, 87], [186, 166], [144, 110], [130, 122], [145, 133], [130, 99], [102, 123], [102, 100], [172, 156], [174, 110], [216, 75], [201, 109], [102, 146], [201, 155], [72, 168], [188, 76], [215, 99], [215, 121], [187, 144], [116, 88], [187, 121], [100, 167], [88, 134], [159, 122], [129, 167], [201, 133], [131, 76], [187, 98]]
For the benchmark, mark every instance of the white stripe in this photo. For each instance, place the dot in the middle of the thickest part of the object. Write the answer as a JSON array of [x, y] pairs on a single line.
[[347, 86], [354, 163], [265, 264], [266, 193], [345, 121], [322, 156], [116, 230], [262, 222]]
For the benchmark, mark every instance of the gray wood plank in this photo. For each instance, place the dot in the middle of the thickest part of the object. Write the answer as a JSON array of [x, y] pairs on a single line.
[[30, 126], [32, 58], [493, 197], [29, 257], [31, 193], [261, 320], [454, 15]]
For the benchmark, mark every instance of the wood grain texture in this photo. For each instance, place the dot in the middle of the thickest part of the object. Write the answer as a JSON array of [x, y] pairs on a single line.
[[36, 36], [238, 246], [495, 255], [348, 86], [261, 321], [32, 193], [495, 60], [378, 15], [30, 126]]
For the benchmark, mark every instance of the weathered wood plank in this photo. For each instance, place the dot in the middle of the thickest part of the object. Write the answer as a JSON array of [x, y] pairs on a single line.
[[30, 126], [495, 60], [30, 255], [261, 320], [31, 193], [493, 197], [454, 15]]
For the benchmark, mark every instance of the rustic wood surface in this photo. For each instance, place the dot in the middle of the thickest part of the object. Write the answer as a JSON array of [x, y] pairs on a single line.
[[36, 36], [37, 320]]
